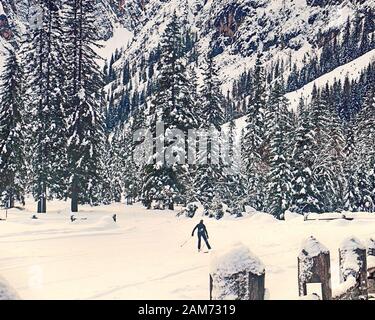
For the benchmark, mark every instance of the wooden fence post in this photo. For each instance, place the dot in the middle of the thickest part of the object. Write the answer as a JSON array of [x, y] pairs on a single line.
[[314, 267], [353, 267], [237, 275], [371, 266]]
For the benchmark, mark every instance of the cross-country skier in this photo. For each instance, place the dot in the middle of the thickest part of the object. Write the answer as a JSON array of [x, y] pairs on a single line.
[[202, 233]]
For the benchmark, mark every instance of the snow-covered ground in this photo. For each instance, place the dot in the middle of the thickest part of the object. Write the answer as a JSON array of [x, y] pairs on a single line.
[[140, 257]]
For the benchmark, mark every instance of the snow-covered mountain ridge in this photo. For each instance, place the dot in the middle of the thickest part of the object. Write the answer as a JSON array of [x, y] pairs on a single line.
[[233, 30], [236, 30]]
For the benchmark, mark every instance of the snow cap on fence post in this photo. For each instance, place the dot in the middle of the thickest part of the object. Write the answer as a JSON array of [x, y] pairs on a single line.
[[314, 267], [6, 291], [353, 263], [236, 274]]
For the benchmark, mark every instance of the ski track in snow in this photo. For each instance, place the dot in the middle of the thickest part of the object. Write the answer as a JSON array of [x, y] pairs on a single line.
[[140, 257], [120, 288]]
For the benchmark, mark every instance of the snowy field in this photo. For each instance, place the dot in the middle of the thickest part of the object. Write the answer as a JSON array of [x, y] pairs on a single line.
[[140, 257]]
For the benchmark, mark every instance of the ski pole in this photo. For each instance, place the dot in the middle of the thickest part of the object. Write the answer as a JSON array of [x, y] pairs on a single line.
[[186, 241]]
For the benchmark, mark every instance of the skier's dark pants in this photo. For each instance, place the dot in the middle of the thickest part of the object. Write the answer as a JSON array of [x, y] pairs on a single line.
[[200, 236]]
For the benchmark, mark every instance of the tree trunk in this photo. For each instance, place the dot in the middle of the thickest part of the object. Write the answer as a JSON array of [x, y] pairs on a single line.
[[171, 205], [74, 203], [10, 202], [148, 203], [42, 201]]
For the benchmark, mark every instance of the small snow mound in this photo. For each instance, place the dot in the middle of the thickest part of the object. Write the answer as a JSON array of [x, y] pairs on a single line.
[[249, 209], [311, 248], [236, 259], [7, 292], [106, 222], [288, 215], [351, 243], [262, 217]]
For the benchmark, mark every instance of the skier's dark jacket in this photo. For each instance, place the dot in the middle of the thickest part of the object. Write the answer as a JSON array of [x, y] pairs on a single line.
[[202, 231]]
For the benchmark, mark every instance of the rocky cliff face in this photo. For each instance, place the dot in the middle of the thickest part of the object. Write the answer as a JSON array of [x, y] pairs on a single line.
[[12, 18], [233, 29]]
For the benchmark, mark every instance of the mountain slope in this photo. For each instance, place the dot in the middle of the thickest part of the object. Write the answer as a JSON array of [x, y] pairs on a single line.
[[291, 31], [236, 30], [352, 70]]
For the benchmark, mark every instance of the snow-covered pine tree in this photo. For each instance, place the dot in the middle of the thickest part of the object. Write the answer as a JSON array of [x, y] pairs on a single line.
[[365, 137], [351, 196], [209, 176], [279, 188], [346, 47], [171, 105], [110, 189], [12, 148], [137, 161], [306, 197], [216, 208], [127, 171], [254, 139], [301, 106], [44, 70], [322, 167], [331, 154], [231, 139], [369, 104], [211, 95], [190, 191], [345, 111], [195, 97], [85, 100], [232, 172]]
